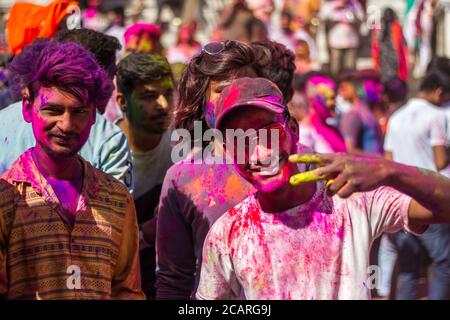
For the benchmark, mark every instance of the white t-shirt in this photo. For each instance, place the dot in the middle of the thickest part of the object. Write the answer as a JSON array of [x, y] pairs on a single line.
[[344, 34], [412, 132], [318, 250], [446, 171], [149, 168]]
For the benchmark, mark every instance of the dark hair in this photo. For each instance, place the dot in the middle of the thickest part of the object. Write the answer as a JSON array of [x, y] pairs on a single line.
[[438, 68], [66, 66], [102, 46], [300, 79], [280, 70], [346, 76], [368, 74], [239, 6], [439, 64], [395, 89], [435, 80], [389, 16], [206, 67], [118, 10], [141, 68], [358, 76], [254, 23]]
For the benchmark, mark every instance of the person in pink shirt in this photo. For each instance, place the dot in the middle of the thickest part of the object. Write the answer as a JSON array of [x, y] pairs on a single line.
[[298, 237], [317, 129], [187, 46]]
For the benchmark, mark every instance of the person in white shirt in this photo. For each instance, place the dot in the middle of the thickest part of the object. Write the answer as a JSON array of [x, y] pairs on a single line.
[[344, 18], [145, 95], [416, 135], [293, 239], [441, 65]]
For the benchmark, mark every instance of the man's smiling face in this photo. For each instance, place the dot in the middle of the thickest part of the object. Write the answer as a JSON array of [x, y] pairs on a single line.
[[61, 123], [265, 164]]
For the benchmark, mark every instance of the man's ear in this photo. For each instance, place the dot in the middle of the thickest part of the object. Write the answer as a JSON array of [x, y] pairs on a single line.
[[121, 101], [27, 106], [438, 93]]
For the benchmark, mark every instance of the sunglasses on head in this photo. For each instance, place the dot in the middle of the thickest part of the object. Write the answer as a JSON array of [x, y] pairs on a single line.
[[218, 47]]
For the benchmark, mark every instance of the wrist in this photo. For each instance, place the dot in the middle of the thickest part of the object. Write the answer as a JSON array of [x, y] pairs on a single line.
[[391, 173]]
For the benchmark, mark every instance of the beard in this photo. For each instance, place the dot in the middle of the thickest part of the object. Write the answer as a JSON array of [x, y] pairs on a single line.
[[154, 130], [59, 154]]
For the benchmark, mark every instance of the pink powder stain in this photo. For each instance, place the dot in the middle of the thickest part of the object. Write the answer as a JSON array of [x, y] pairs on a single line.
[[328, 225], [341, 232], [305, 254], [5, 141], [275, 99], [216, 186], [231, 97], [234, 187], [251, 219], [39, 125]]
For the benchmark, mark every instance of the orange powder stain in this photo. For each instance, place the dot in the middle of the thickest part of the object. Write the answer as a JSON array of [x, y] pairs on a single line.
[[234, 187]]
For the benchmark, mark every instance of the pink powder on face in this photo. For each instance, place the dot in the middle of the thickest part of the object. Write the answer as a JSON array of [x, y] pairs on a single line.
[[43, 127], [39, 127], [43, 100], [286, 145]]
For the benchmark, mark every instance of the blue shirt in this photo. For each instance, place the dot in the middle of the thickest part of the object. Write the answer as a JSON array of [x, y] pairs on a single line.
[[106, 148]]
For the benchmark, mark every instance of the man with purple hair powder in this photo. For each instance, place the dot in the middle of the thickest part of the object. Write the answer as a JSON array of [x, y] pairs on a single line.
[[67, 230]]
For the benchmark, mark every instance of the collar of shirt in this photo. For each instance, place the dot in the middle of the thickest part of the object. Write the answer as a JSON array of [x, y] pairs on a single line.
[[24, 170]]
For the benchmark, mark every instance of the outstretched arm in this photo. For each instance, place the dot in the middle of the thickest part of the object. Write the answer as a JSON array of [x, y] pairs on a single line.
[[348, 174]]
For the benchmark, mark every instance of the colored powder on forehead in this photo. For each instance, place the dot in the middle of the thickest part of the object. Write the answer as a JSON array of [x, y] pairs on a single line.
[[43, 100], [166, 82], [134, 111]]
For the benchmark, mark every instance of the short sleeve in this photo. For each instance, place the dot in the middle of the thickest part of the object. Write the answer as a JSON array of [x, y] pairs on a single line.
[[448, 125], [218, 280], [388, 143], [115, 159], [388, 211], [438, 124]]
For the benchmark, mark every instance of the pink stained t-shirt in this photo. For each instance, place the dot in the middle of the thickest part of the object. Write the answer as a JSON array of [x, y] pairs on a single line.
[[318, 250]]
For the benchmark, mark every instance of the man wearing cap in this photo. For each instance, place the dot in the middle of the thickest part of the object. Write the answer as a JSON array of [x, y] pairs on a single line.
[[298, 237]]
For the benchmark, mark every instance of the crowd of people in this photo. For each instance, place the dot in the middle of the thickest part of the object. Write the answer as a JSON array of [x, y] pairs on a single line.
[[112, 184]]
